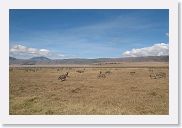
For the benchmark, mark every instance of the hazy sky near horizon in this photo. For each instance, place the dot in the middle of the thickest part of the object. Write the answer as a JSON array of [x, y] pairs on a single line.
[[88, 33]]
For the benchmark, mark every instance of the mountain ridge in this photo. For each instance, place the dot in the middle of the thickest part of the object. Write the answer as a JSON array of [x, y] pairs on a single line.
[[47, 61], [40, 58]]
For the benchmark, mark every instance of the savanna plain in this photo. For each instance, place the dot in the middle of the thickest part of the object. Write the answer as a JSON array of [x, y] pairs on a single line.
[[109, 89]]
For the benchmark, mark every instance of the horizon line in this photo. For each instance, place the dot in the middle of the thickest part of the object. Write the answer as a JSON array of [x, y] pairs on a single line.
[[87, 58]]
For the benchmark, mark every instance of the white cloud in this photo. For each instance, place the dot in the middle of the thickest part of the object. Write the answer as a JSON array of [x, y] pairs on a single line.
[[160, 49], [167, 34], [44, 51], [24, 52], [20, 49]]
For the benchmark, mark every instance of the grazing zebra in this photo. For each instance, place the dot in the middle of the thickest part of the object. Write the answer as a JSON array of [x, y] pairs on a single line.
[[162, 74], [80, 71], [132, 73], [101, 75], [63, 77], [153, 76], [158, 75], [108, 72]]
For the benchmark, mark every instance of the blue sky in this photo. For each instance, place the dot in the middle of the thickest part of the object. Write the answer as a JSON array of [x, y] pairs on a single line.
[[88, 33]]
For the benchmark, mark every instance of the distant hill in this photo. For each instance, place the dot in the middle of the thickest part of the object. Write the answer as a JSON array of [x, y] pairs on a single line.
[[146, 59], [12, 58], [40, 59], [47, 61]]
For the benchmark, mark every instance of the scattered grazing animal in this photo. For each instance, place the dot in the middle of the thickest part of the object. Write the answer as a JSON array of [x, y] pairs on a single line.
[[80, 71], [153, 76], [63, 77], [101, 75], [31, 70], [161, 75], [108, 72], [132, 73], [157, 75]]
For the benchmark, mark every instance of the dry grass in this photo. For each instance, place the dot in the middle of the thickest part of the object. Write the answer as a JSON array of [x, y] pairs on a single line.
[[120, 93]]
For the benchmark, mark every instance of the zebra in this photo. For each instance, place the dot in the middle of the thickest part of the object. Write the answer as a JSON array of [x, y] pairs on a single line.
[[101, 75], [80, 71], [153, 75], [158, 75], [108, 72], [162, 75], [132, 73], [63, 77]]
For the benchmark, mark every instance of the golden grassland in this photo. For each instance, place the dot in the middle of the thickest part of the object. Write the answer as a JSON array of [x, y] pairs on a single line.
[[37, 91]]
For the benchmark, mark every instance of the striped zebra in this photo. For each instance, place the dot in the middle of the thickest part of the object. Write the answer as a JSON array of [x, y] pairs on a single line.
[[101, 75], [63, 77]]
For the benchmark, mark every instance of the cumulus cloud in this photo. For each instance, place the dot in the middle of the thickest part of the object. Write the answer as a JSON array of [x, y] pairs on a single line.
[[160, 49], [23, 52], [20, 49]]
